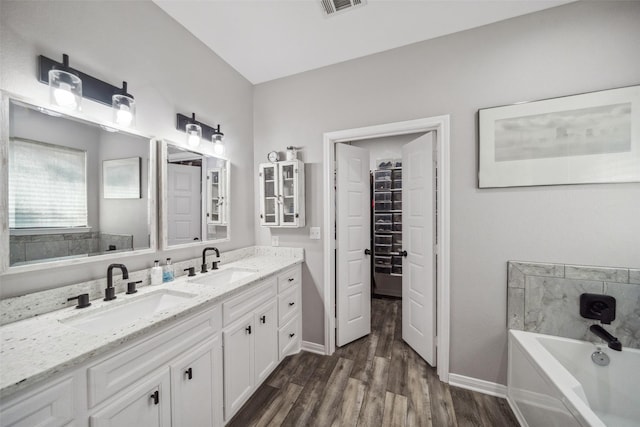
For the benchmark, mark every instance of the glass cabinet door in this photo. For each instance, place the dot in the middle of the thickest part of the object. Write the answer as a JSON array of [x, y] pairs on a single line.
[[215, 197], [269, 199], [289, 191]]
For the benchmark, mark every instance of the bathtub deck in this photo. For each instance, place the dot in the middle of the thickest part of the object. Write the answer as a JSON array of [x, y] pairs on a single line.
[[377, 380]]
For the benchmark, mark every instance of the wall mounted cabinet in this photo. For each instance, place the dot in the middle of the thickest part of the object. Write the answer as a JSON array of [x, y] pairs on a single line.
[[282, 194]]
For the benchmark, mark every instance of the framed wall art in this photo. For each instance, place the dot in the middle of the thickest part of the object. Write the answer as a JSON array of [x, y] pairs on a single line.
[[588, 138], [121, 178]]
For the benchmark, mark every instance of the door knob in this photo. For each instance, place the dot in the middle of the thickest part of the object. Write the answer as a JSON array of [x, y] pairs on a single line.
[[367, 251], [403, 253]]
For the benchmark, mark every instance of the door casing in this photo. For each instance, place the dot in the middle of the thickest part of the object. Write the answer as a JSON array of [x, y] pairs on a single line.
[[440, 124]]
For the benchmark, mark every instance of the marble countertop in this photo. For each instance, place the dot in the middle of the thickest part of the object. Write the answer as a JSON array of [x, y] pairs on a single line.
[[34, 349]]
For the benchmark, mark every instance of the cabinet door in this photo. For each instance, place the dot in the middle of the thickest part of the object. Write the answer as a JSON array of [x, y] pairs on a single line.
[[238, 364], [269, 194], [147, 404], [193, 378], [266, 340], [50, 406], [289, 212], [215, 198]]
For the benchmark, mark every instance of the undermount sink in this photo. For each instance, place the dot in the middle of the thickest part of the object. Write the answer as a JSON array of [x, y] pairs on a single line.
[[223, 277], [106, 319]]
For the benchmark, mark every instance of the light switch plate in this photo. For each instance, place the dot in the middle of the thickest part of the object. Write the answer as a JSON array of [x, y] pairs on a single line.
[[275, 240], [314, 233]]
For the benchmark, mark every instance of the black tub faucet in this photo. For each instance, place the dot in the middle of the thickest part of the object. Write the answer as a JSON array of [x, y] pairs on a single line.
[[612, 341], [110, 292], [214, 266]]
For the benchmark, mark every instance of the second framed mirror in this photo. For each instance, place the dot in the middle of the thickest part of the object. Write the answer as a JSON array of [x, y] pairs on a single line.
[[194, 197]]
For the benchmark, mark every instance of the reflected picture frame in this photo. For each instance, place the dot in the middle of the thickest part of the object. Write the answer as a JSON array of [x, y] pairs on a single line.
[[121, 178], [578, 139]]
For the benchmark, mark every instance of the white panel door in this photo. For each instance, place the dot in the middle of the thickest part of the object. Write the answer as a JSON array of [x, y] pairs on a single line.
[[418, 267], [353, 217], [183, 204]]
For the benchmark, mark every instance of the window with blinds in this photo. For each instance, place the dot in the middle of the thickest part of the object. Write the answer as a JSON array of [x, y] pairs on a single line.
[[47, 185]]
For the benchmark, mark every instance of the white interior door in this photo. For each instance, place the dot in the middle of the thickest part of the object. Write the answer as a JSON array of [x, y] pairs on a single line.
[[418, 267], [353, 271], [183, 204]]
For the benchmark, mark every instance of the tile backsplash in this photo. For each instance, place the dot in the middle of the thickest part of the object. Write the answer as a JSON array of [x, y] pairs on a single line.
[[545, 298]]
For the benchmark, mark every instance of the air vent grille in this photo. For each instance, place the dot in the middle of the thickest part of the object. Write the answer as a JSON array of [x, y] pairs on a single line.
[[330, 7]]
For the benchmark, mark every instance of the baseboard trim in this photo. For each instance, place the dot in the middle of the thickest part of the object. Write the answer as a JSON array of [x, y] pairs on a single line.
[[475, 384], [312, 347]]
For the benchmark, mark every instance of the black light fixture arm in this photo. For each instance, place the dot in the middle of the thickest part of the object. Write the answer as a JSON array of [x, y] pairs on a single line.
[[92, 88], [207, 131]]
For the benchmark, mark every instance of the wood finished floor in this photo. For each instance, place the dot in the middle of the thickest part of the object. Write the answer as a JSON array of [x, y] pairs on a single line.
[[377, 380]]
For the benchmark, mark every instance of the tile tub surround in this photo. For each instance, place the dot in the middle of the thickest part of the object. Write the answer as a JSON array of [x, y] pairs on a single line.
[[38, 303], [35, 349], [545, 298]]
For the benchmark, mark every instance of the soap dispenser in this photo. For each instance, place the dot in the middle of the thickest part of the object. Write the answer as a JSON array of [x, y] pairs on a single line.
[[156, 273], [167, 272]]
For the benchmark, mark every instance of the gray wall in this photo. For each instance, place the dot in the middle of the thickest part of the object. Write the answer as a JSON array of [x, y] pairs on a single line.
[[168, 71], [580, 47]]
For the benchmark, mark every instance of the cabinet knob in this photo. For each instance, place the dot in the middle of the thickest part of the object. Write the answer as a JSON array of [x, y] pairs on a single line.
[[291, 335], [263, 319], [189, 373], [248, 329], [291, 279], [155, 397], [292, 303]]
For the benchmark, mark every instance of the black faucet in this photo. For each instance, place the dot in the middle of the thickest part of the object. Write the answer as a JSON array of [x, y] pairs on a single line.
[[204, 259], [612, 341], [110, 292]]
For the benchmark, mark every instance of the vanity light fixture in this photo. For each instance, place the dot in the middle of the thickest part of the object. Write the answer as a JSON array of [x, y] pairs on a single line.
[[218, 141], [194, 132], [197, 131], [68, 86], [124, 107], [65, 86]]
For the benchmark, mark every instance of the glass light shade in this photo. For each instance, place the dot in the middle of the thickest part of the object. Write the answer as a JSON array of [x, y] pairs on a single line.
[[194, 133], [218, 147], [124, 110], [65, 89]]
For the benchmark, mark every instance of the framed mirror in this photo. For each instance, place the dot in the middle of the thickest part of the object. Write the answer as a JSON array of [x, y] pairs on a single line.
[[194, 197], [76, 190]]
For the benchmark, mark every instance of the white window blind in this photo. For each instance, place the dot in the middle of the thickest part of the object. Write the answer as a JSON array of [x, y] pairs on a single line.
[[47, 185]]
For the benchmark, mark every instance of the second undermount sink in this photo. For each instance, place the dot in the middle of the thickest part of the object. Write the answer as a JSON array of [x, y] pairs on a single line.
[[223, 277], [109, 318]]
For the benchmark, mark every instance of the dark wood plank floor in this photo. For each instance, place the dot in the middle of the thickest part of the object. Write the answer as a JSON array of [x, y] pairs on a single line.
[[377, 380]]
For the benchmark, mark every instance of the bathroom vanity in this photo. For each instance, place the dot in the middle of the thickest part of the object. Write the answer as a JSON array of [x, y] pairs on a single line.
[[212, 338]]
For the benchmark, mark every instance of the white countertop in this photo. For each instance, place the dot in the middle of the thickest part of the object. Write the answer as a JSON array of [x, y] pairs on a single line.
[[34, 349]]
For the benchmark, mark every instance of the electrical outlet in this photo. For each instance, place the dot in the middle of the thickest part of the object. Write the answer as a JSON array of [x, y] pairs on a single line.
[[275, 240], [314, 233]]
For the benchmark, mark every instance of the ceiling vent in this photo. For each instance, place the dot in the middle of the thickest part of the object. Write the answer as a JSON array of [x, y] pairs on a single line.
[[331, 7]]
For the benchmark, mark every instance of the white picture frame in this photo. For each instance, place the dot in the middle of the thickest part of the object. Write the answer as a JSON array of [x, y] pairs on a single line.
[[121, 178], [580, 139]]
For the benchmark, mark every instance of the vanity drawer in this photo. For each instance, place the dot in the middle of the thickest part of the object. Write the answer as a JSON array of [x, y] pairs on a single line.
[[289, 337], [120, 371], [288, 305], [289, 278], [51, 405], [240, 305]]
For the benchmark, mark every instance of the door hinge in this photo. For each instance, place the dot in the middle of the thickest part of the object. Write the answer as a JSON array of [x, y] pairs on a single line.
[[436, 248]]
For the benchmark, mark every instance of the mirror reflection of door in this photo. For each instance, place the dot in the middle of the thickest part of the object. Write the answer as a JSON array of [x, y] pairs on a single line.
[[183, 203]]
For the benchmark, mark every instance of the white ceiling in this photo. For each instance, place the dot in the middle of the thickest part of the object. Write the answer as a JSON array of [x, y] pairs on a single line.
[[268, 39]]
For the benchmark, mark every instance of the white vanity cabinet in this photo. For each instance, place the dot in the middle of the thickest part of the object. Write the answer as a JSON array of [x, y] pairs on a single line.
[[282, 202], [262, 326]]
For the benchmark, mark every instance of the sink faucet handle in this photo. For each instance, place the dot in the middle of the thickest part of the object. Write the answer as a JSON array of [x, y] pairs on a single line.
[[214, 265], [83, 300], [131, 287], [191, 270]]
